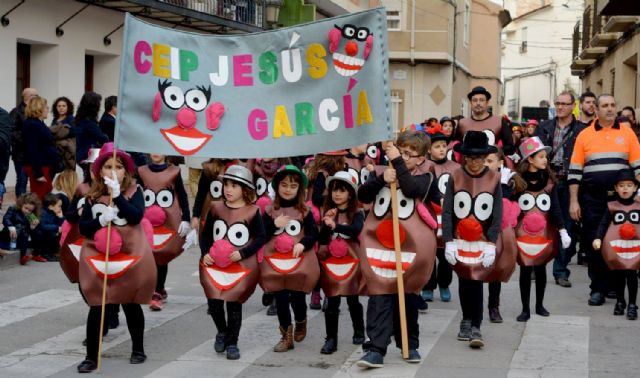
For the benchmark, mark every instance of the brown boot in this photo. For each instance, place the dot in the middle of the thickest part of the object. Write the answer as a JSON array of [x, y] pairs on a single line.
[[301, 331], [286, 342]]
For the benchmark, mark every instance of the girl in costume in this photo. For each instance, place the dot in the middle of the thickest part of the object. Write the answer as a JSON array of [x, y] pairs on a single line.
[[290, 268], [340, 276], [231, 237], [131, 271], [167, 208]]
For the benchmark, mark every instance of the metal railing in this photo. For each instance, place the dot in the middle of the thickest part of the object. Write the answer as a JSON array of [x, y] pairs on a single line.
[[586, 27], [576, 41], [246, 11]]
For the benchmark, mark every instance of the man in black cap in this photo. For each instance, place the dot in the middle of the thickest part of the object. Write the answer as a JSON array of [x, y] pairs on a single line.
[[498, 129]]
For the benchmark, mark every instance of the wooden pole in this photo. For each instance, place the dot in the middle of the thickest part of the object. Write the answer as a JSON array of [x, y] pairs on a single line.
[[104, 280], [399, 273]]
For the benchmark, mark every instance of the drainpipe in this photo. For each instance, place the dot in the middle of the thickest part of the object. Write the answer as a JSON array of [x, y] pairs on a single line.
[[412, 57]]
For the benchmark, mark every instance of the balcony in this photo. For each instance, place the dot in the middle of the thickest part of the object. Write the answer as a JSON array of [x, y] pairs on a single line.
[[593, 52], [208, 16], [620, 24], [618, 7]]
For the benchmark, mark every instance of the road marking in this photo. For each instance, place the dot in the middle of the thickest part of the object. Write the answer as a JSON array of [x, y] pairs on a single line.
[[432, 326], [57, 353], [557, 346], [36, 304], [257, 337]]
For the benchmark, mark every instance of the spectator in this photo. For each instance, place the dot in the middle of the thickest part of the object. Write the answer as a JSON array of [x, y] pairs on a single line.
[[62, 111], [6, 126], [17, 143], [560, 134], [516, 132], [64, 185], [630, 114], [587, 107], [48, 235], [530, 128], [19, 225], [88, 133], [41, 161], [601, 150], [108, 120], [64, 132]]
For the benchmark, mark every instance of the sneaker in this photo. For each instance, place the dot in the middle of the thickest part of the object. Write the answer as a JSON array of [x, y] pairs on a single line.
[[330, 346], [423, 307], [39, 258], [233, 353], [619, 308], [219, 345], [445, 294], [414, 357], [371, 360], [475, 341], [563, 282], [156, 302], [315, 300], [427, 295], [272, 310], [632, 312], [596, 299], [465, 330], [24, 259]]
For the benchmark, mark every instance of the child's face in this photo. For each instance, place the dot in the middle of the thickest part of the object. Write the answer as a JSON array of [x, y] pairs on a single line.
[[157, 158], [56, 207], [112, 165], [27, 208], [447, 128], [232, 191], [288, 188], [626, 189], [411, 157], [475, 164], [517, 134], [438, 150], [493, 162], [538, 160], [340, 196], [531, 130]]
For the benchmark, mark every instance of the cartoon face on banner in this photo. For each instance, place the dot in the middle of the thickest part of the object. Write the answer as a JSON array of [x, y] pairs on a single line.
[[350, 46], [536, 237], [185, 138], [621, 244]]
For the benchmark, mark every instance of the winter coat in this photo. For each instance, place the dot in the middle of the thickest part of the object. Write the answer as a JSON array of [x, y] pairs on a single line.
[[64, 135], [88, 135], [6, 128], [17, 143], [41, 148]]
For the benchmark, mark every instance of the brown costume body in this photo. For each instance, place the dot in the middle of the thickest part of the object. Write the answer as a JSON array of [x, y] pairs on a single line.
[[280, 271], [160, 191], [491, 126], [537, 245], [621, 249], [131, 276], [442, 173], [237, 281], [72, 244]]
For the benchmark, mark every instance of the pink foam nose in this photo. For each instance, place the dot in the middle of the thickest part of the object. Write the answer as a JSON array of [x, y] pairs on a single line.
[[186, 118], [284, 243], [220, 252], [534, 223], [263, 202], [148, 230], [155, 215], [115, 244], [338, 247], [66, 227]]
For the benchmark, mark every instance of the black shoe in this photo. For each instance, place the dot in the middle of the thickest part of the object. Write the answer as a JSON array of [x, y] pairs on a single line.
[[619, 308], [87, 366], [524, 316], [465, 330], [414, 357], [330, 346], [597, 299], [267, 299], [475, 341], [540, 310], [272, 310], [632, 312], [563, 282], [233, 353], [611, 295], [219, 345], [494, 315], [371, 360], [423, 306], [137, 358], [358, 338]]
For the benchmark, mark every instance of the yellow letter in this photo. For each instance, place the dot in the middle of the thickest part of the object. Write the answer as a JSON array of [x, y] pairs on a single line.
[[281, 123], [317, 65], [161, 60], [364, 112]]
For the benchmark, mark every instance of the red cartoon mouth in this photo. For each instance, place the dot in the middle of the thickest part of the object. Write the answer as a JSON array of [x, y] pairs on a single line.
[[532, 246], [226, 278], [118, 265], [162, 236], [76, 247], [383, 262], [284, 262], [185, 141], [340, 267], [469, 252], [626, 249], [347, 65]]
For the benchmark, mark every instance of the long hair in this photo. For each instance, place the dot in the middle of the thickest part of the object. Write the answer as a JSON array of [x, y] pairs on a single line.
[[29, 199], [99, 188], [54, 108], [300, 205], [66, 182], [523, 166], [328, 163], [89, 107], [352, 204], [214, 167]]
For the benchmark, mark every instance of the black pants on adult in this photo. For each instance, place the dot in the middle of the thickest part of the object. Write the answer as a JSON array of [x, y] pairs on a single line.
[[629, 279], [525, 285], [135, 323], [442, 273], [297, 300], [471, 292], [162, 277], [229, 326], [332, 314], [495, 288], [593, 204], [383, 320]]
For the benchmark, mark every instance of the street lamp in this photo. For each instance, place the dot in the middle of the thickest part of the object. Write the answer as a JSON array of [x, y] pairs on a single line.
[[272, 11]]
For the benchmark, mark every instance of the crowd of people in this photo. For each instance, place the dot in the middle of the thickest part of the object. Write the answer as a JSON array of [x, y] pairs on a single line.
[[475, 196]]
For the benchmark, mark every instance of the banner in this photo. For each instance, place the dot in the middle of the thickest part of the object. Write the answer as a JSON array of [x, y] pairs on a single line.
[[294, 91]]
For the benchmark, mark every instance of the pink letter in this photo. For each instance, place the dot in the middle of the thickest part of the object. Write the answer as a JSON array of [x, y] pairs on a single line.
[[142, 48], [348, 111], [258, 125], [242, 66]]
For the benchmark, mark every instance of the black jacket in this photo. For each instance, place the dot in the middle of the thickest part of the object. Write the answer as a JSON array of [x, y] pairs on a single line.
[[17, 143], [6, 128], [546, 131], [40, 147]]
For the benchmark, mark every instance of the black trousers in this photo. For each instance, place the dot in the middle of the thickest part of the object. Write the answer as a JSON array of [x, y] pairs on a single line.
[[383, 321], [229, 326], [162, 277], [442, 273], [525, 285], [495, 288], [471, 292], [332, 314], [629, 279], [135, 323], [593, 204], [297, 301]]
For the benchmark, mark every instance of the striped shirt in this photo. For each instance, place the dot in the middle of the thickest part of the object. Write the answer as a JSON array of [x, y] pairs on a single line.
[[600, 152]]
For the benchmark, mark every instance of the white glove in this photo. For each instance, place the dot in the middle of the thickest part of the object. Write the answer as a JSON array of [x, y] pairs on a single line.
[[515, 157], [184, 229], [489, 255], [113, 184], [108, 215], [505, 175], [192, 239], [565, 239], [450, 249]]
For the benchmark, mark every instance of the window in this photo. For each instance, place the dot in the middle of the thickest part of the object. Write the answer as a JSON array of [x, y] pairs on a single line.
[[393, 20], [467, 21], [88, 73], [523, 44], [23, 70]]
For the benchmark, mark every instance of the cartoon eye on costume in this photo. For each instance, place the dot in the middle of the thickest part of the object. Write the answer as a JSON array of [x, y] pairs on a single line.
[[81, 203], [165, 198], [372, 151], [98, 209], [364, 175], [215, 188], [261, 186], [450, 155], [293, 228], [238, 234], [490, 136], [362, 34], [543, 201], [526, 202], [173, 97], [619, 217], [119, 221], [149, 197], [383, 200], [219, 230], [634, 216], [462, 205], [443, 180], [483, 206], [405, 206], [196, 99]]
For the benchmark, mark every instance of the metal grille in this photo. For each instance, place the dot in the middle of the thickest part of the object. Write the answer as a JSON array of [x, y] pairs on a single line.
[[238, 10], [586, 27], [576, 40]]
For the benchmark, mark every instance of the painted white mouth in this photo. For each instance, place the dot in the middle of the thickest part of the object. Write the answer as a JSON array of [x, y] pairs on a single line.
[[75, 250], [385, 273], [531, 249], [158, 239], [188, 144], [628, 255], [352, 61], [387, 255], [439, 219], [115, 267], [285, 264], [225, 278], [625, 243], [471, 247], [340, 270]]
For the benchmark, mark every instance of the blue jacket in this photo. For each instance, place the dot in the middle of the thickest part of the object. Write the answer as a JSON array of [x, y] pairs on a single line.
[[88, 135], [546, 131], [50, 222], [40, 147]]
